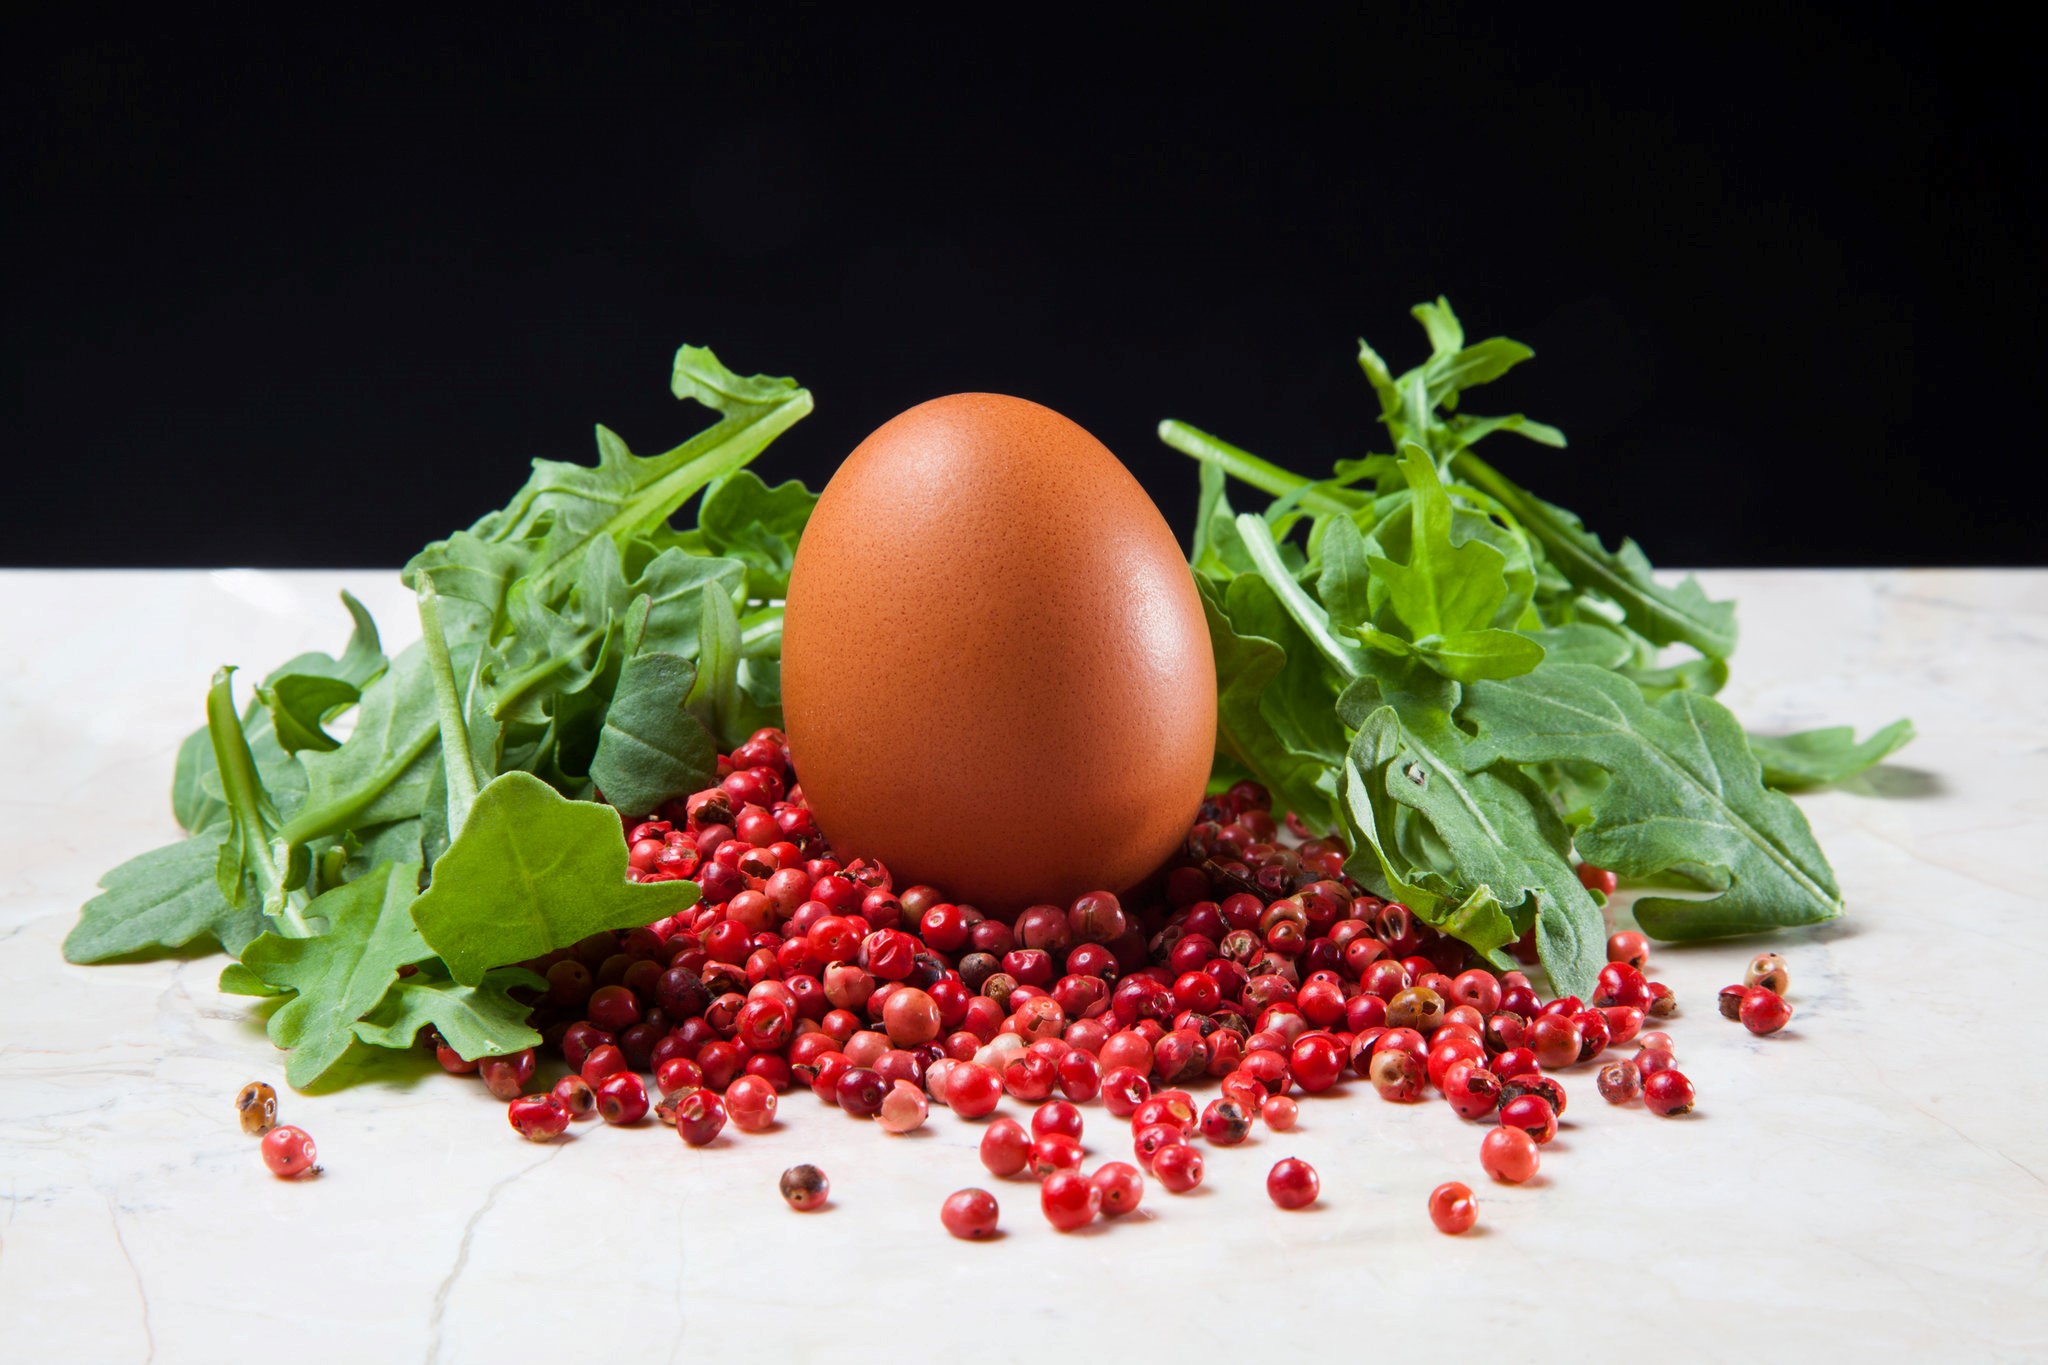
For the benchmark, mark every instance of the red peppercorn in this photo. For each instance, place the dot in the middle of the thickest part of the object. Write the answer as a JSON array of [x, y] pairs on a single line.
[[860, 1091], [750, 1103], [1317, 1062], [1531, 1114], [973, 1090], [1668, 1094], [1509, 1155], [1620, 1082], [1056, 1117], [970, 1214], [1630, 947], [805, 1188], [289, 1152], [700, 1117], [1124, 1088], [1556, 1041], [1397, 1075], [507, 1077], [1080, 1077], [1226, 1123], [1005, 1147], [622, 1099], [1069, 1199], [1279, 1112], [1178, 1167], [1293, 1184], [1764, 1011], [1452, 1208], [1120, 1185], [1054, 1152], [1473, 1091], [575, 1096]]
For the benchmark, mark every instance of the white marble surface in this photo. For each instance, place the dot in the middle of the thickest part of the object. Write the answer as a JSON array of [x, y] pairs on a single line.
[[1872, 1179]]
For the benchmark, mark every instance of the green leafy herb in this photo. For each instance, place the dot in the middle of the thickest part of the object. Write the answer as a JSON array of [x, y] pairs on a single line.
[[529, 872], [651, 747], [168, 897], [1814, 758], [1683, 793], [560, 638], [338, 977], [1486, 687], [484, 1020]]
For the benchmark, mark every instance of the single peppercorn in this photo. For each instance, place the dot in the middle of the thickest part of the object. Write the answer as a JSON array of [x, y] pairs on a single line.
[[805, 1188], [257, 1108]]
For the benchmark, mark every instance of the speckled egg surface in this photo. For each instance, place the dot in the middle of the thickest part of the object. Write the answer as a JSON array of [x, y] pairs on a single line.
[[996, 673]]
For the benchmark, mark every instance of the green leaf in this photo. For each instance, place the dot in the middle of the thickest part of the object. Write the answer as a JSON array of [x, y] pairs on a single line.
[[1445, 586], [530, 872], [1498, 831], [305, 693], [1684, 793], [559, 645], [165, 898], [1472, 430], [743, 518], [1585, 642], [1680, 615], [1446, 333], [1445, 377], [301, 704], [1814, 758], [651, 747], [235, 979], [1344, 586], [381, 773], [1445, 594], [537, 540], [338, 977], [1275, 712], [254, 869], [477, 1021], [195, 807]]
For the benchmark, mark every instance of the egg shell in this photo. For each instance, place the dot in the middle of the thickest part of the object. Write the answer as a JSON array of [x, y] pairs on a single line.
[[996, 672]]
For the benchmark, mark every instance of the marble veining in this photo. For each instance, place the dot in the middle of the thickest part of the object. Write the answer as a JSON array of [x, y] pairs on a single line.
[[1890, 1147]]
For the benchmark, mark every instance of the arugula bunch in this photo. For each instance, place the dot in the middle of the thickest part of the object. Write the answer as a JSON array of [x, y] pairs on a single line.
[[572, 642], [1472, 687]]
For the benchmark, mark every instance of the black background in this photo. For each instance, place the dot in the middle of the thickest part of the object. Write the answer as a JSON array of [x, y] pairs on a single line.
[[312, 295]]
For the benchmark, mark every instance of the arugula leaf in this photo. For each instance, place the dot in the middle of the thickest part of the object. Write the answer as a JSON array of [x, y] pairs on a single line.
[[338, 977], [532, 871], [254, 870], [533, 544], [477, 1021], [1684, 793], [651, 747], [191, 803], [1501, 836], [307, 692], [1446, 593], [166, 898], [382, 771], [1274, 718], [743, 518], [1680, 615], [1814, 758]]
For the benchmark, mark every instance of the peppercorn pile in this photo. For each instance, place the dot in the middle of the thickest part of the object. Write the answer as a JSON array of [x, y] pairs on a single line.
[[1250, 962]]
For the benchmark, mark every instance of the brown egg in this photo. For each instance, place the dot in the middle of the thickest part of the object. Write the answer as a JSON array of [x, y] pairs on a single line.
[[996, 674]]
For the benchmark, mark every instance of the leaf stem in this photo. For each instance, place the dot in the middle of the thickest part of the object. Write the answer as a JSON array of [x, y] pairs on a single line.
[[455, 755], [242, 785], [1261, 474], [1314, 621]]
